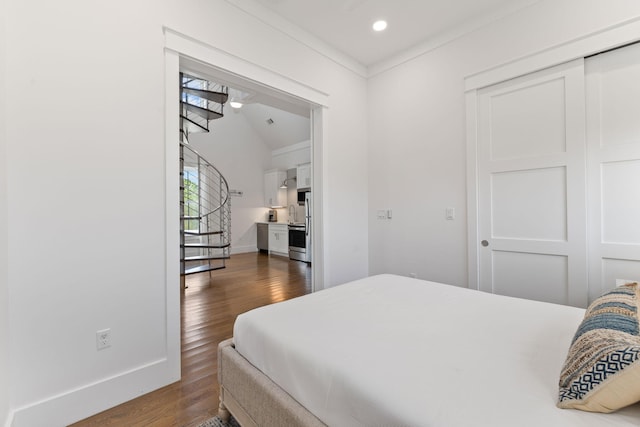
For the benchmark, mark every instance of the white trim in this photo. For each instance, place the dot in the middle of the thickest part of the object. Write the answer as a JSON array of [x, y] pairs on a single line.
[[278, 23], [320, 206], [77, 404], [243, 249], [598, 41], [218, 59], [227, 64], [304, 145], [172, 213], [444, 38], [472, 190]]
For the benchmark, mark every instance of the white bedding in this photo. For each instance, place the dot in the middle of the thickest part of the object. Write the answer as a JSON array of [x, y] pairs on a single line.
[[394, 351]]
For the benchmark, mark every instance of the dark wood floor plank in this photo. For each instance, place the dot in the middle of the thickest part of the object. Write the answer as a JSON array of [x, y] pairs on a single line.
[[209, 307]]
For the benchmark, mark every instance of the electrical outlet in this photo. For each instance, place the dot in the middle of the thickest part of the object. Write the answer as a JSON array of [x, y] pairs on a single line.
[[103, 339]]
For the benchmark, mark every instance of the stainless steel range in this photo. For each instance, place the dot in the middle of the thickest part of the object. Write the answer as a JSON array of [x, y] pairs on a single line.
[[300, 235]]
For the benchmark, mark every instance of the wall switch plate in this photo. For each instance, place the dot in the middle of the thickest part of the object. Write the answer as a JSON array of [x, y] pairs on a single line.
[[389, 213], [382, 214], [103, 339], [451, 214]]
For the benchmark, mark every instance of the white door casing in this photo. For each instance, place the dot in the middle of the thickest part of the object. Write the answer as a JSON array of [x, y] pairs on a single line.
[[613, 141], [532, 186]]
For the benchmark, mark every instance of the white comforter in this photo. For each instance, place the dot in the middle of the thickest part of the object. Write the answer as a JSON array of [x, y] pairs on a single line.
[[394, 351]]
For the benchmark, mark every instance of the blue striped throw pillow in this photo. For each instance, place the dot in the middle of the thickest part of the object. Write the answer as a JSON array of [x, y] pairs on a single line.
[[602, 370]]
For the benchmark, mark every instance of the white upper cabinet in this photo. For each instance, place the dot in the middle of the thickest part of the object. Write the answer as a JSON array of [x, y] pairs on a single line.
[[303, 178], [274, 196]]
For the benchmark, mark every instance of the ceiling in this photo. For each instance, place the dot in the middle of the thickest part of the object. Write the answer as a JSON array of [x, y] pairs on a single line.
[[346, 24], [277, 128]]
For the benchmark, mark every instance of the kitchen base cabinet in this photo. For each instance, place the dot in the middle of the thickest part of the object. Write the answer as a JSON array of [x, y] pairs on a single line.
[[279, 239], [273, 238]]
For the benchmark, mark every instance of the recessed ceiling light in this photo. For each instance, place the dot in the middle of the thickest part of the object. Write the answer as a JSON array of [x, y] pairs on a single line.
[[379, 25], [235, 104]]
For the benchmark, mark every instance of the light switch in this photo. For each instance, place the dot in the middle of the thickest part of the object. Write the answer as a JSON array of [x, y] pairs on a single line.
[[389, 214], [382, 214], [451, 213]]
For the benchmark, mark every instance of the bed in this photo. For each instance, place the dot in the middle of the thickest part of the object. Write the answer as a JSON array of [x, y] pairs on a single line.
[[395, 351]]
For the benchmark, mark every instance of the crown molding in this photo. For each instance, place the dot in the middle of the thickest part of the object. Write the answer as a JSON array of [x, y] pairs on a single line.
[[446, 37], [278, 23]]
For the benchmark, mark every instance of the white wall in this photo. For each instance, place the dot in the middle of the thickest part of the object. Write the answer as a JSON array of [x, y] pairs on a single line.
[[85, 169], [417, 140], [4, 289], [241, 156]]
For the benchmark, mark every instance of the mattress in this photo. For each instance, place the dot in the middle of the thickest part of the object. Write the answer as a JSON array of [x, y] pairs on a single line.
[[395, 351]]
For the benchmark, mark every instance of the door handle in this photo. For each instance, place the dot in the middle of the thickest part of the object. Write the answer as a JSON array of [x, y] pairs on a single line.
[[484, 243]]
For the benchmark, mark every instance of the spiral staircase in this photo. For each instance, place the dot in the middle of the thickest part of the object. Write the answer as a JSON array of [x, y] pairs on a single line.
[[205, 205]]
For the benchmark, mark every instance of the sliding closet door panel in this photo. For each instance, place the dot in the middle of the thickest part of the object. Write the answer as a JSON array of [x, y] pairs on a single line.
[[621, 202], [528, 121], [613, 139], [530, 204], [532, 276], [531, 186]]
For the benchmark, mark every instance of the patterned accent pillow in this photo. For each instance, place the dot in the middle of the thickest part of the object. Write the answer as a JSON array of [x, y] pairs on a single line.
[[602, 370]]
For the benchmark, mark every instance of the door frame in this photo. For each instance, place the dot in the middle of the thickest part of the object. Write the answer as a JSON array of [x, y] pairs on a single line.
[[177, 46], [590, 44]]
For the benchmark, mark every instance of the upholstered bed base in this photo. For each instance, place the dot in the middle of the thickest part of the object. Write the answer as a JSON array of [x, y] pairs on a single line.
[[252, 398]]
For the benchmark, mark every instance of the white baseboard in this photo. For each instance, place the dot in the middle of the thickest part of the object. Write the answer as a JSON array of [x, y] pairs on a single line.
[[243, 249], [75, 405]]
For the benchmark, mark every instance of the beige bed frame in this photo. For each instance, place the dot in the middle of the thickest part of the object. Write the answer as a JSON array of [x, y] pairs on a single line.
[[252, 398]]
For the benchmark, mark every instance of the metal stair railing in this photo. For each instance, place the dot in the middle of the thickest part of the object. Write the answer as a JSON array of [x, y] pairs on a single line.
[[205, 214]]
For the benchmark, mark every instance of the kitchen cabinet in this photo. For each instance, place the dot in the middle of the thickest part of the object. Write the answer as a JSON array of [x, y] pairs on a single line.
[[274, 196], [279, 239], [303, 178], [273, 238]]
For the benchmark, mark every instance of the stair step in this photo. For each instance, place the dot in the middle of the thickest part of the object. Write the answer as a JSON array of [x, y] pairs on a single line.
[[202, 269], [205, 245], [199, 127], [203, 233], [202, 112], [204, 258], [219, 97], [188, 218]]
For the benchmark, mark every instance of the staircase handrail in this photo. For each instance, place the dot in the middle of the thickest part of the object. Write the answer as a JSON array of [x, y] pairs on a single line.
[[224, 180]]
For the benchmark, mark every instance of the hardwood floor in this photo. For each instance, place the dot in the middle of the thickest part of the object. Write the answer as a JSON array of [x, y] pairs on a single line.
[[209, 308]]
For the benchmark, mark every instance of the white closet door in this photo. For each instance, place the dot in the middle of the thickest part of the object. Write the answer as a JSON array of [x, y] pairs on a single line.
[[532, 186], [613, 138]]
